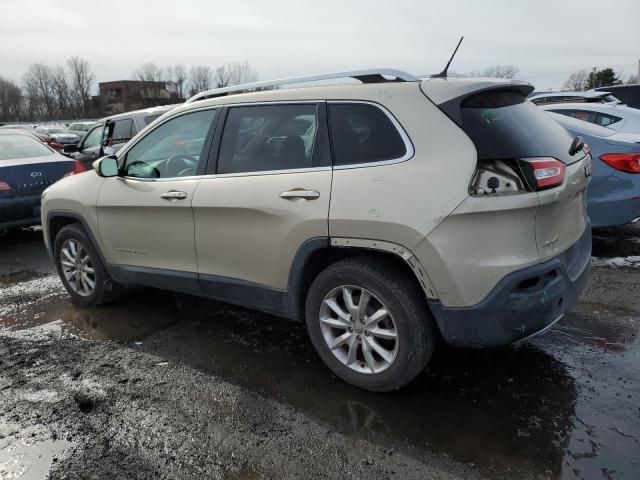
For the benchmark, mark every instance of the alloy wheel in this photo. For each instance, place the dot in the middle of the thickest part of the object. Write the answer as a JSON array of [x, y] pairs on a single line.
[[358, 329], [77, 267]]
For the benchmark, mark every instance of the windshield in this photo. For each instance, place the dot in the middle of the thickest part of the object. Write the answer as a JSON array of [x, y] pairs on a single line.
[[55, 130], [13, 147]]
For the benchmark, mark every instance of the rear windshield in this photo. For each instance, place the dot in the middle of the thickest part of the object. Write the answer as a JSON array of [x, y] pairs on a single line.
[[503, 124], [13, 147]]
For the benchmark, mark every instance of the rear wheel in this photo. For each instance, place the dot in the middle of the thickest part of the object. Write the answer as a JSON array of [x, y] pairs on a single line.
[[370, 323], [80, 268]]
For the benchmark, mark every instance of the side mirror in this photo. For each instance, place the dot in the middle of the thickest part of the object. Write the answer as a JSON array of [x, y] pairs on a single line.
[[70, 148], [106, 166]]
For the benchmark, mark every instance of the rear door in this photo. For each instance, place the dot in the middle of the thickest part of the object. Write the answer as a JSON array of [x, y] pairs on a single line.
[[268, 193], [145, 216]]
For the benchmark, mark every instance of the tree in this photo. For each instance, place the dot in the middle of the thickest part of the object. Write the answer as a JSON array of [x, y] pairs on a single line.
[[602, 78], [152, 75], [177, 78], [499, 71], [80, 83], [632, 79], [41, 92], [577, 81], [235, 74], [201, 79], [11, 101]]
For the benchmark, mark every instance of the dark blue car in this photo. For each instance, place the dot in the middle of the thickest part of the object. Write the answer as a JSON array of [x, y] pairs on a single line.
[[27, 167], [613, 197]]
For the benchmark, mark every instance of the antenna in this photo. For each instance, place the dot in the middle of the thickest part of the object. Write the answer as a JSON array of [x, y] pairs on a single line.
[[443, 73]]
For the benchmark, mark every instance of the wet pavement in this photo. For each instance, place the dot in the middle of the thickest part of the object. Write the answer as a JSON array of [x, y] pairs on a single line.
[[562, 406]]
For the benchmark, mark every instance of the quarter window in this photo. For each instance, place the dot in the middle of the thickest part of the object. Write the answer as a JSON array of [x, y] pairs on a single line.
[[268, 137], [173, 149], [363, 133]]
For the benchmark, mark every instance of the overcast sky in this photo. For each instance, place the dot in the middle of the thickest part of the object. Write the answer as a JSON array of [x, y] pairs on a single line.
[[545, 40]]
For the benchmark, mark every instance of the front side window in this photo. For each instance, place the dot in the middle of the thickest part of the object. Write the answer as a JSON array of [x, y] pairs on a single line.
[[173, 149], [268, 137], [93, 138], [362, 133]]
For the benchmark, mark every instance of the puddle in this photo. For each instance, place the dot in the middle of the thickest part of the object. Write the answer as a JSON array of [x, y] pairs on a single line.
[[30, 461], [138, 313]]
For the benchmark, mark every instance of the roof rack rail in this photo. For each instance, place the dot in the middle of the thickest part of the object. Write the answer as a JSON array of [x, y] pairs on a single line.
[[365, 76]]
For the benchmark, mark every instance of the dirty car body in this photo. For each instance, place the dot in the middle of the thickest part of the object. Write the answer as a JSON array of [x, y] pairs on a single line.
[[378, 213]]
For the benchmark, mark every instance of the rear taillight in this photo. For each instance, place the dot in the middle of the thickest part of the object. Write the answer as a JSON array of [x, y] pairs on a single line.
[[78, 167], [624, 162], [4, 187], [542, 172]]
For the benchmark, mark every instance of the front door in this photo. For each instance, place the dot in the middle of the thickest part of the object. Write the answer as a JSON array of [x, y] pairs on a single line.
[[270, 193], [144, 216]]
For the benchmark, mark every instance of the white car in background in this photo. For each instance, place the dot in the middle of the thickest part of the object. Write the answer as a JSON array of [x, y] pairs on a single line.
[[617, 117], [590, 96]]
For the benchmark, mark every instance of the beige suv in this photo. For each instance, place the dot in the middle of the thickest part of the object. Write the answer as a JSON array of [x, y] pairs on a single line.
[[387, 214]]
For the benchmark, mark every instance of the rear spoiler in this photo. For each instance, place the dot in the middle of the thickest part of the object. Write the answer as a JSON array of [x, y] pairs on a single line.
[[452, 107]]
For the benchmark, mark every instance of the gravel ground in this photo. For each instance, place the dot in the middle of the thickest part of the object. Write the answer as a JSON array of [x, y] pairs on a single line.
[[170, 386]]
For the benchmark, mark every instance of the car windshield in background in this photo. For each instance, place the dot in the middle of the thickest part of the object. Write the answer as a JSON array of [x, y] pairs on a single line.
[[503, 125], [13, 147], [55, 130]]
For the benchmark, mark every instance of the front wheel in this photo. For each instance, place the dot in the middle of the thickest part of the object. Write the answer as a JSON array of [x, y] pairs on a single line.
[[80, 268], [369, 322]]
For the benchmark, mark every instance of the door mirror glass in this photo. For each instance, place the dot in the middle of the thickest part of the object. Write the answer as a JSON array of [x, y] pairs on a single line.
[[106, 166]]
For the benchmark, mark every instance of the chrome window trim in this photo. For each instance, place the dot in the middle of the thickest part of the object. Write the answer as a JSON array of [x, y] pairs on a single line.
[[410, 150], [409, 154], [230, 175]]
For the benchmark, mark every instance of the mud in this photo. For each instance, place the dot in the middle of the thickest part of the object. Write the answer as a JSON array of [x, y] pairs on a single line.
[[171, 386]]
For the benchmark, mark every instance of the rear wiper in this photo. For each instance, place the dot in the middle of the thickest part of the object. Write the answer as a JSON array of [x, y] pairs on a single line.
[[576, 146]]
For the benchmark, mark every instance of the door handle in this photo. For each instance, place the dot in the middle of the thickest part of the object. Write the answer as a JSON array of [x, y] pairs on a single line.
[[173, 195], [300, 194]]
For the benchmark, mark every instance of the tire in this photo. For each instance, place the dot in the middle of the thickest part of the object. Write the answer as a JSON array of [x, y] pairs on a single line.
[[408, 317], [104, 288]]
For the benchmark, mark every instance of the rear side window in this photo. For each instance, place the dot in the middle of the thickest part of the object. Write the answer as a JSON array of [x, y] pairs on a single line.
[[503, 125], [362, 133], [269, 137], [604, 120]]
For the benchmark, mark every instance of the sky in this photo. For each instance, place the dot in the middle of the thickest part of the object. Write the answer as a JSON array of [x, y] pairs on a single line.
[[546, 40]]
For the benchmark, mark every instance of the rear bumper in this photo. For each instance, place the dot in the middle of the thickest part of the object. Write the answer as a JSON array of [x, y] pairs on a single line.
[[523, 304], [20, 211]]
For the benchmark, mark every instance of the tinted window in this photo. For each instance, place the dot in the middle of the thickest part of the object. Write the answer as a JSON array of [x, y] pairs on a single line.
[[272, 137], [122, 130], [604, 119], [21, 146], [173, 149], [503, 125], [363, 133], [578, 114]]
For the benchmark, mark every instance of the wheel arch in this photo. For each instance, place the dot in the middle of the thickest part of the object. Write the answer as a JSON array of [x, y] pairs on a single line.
[[57, 220], [317, 254]]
